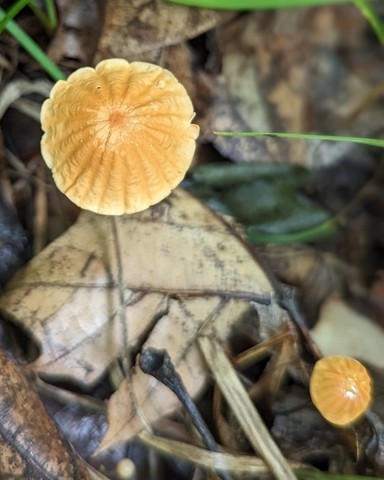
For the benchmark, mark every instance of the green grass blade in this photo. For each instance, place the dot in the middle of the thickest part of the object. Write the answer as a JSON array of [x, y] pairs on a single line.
[[310, 475], [12, 12], [373, 142], [51, 13], [32, 48], [323, 230], [255, 4], [49, 18], [368, 12], [363, 5]]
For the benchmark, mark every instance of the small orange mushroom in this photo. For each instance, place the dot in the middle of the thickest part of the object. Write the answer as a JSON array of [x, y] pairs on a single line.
[[118, 137], [341, 389]]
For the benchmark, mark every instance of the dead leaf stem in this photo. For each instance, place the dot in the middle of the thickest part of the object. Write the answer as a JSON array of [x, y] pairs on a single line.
[[236, 464], [159, 364], [243, 409]]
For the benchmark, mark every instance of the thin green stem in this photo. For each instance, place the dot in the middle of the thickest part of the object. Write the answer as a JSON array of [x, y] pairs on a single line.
[[12, 12], [374, 142], [32, 48], [368, 12], [254, 4], [49, 18], [310, 475], [363, 5], [323, 230], [51, 12]]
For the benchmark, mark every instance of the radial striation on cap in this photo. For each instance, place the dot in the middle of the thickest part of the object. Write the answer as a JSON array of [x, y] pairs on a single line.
[[341, 389], [118, 137]]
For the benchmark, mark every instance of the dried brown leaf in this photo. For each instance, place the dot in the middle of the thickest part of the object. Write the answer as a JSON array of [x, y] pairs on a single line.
[[30, 445], [294, 71], [133, 29], [315, 274], [142, 400], [186, 273]]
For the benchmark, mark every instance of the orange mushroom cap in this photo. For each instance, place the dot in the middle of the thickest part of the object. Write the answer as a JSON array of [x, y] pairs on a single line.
[[341, 389], [118, 137]]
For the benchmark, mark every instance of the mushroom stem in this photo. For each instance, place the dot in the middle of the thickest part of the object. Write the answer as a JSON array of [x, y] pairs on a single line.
[[125, 354]]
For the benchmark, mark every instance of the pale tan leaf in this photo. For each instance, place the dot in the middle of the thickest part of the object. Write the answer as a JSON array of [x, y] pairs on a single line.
[[142, 400], [342, 330], [186, 273]]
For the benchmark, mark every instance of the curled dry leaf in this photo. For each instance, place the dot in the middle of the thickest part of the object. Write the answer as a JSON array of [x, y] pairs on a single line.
[[133, 29], [186, 274], [288, 71], [30, 445]]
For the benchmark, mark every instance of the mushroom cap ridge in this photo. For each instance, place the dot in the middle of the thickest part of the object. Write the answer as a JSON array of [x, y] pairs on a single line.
[[118, 137], [341, 389]]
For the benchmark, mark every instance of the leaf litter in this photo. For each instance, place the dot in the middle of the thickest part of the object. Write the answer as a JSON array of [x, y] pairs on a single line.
[[188, 274]]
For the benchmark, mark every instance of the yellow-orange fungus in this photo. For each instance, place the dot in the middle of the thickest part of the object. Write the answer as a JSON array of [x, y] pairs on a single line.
[[341, 389], [118, 137]]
